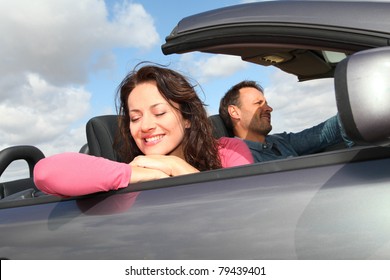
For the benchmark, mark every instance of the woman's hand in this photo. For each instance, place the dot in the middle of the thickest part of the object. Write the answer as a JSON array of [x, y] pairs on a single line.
[[169, 165], [141, 174]]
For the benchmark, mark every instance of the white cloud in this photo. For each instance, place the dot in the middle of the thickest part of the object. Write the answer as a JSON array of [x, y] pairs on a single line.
[[39, 112], [48, 51], [299, 105], [132, 26], [56, 39], [206, 67]]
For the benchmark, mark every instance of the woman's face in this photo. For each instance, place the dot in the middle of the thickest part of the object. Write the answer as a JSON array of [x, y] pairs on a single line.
[[156, 126]]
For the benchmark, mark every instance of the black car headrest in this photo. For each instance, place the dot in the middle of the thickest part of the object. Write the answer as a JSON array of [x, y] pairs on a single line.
[[219, 128], [101, 131]]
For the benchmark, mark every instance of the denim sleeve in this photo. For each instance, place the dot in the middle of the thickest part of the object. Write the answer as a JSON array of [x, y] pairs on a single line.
[[319, 137], [348, 142]]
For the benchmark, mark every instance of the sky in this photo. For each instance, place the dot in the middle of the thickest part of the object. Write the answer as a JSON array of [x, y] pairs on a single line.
[[62, 60]]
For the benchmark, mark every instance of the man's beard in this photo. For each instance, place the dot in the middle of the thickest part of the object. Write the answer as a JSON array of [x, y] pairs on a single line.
[[263, 129]]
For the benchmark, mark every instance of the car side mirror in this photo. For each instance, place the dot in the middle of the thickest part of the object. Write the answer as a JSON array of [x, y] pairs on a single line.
[[362, 85]]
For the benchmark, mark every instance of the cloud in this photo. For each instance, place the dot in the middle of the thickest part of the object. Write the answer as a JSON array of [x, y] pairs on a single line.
[[39, 110], [132, 26], [56, 39], [299, 105], [206, 67], [49, 50]]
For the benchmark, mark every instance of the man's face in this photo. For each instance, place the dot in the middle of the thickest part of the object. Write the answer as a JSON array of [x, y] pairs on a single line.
[[255, 114]]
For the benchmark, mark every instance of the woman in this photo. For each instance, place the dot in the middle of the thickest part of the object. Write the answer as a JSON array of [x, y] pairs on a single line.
[[164, 132]]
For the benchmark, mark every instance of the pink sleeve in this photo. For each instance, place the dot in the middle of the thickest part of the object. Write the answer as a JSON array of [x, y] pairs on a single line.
[[74, 174], [234, 152]]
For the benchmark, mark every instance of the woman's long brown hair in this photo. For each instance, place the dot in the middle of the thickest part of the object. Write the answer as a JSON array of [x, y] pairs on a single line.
[[199, 146]]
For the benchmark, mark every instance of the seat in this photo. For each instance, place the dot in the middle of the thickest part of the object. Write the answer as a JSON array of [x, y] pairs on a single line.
[[219, 128], [101, 131], [31, 155], [84, 149]]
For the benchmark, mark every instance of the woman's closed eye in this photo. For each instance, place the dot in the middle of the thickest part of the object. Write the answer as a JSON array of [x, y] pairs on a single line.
[[160, 114], [134, 118]]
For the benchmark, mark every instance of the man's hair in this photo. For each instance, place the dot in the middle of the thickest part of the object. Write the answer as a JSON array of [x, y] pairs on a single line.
[[232, 97]]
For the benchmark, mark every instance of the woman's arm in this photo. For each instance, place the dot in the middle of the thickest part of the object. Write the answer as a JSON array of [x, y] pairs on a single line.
[[74, 174], [234, 152]]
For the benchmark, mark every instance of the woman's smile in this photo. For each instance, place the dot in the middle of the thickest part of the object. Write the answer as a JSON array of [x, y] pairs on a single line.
[[153, 139]]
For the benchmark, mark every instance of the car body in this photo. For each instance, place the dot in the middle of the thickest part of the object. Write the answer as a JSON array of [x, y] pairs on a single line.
[[329, 205]]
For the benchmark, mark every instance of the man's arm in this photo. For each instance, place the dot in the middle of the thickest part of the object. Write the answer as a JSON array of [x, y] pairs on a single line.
[[319, 137]]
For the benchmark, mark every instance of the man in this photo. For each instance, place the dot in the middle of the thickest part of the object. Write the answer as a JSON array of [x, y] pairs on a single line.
[[246, 113]]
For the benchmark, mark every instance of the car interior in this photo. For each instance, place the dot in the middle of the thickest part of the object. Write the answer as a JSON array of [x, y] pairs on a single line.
[[303, 63], [23, 187]]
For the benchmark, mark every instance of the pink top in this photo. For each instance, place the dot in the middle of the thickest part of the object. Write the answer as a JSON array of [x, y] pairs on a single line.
[[74, 174]]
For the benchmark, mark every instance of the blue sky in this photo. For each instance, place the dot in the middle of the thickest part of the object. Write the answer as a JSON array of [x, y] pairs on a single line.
[[63, 59], [165, 15]]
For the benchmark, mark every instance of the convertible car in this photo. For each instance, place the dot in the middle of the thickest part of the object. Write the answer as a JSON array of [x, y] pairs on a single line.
[[330, 205]]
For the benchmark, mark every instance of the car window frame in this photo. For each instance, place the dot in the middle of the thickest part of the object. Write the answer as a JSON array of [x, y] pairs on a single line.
[[341, 156]]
